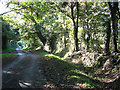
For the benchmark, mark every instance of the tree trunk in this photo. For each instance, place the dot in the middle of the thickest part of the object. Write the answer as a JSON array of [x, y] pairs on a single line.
[[108, 35], [114, 25], [4, 42], [41, 37], [76, 31], [88, 39], [52, 42], [88, 33], [38, 31], [75, 24], [65, 41], [113, 11]]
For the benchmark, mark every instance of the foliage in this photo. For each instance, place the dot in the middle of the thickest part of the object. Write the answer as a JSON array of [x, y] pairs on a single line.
[[7, 55], [8, 50], [45, 20], [9, 34]]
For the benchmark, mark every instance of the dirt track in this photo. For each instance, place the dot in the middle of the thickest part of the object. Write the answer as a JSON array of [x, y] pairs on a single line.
[[24, 72]]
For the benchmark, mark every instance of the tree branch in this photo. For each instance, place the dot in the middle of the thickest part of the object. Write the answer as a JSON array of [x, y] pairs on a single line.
[[64, 12], [72, 14], [10, 11]]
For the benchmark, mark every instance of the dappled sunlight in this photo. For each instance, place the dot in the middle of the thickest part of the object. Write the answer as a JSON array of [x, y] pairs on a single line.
[[47, 47], [81, 81], [78, 71], [50, 55], [108, 80], [49, 86], [73, 76], [88, 59], [24, 84], [53, 56], [8, 72], [76, 61], [67, 55], [38, 48], [84, 85]]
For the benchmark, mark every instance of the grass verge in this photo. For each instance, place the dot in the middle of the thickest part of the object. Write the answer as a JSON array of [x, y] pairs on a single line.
[[8, 50]]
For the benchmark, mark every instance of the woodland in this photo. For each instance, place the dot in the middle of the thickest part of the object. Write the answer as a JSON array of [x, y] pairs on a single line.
[[77, 43]]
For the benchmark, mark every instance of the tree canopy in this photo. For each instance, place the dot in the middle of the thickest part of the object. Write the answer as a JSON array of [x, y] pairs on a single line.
[[75, 24]]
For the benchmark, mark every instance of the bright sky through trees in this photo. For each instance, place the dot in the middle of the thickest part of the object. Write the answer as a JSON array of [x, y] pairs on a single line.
[[3, 7]]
